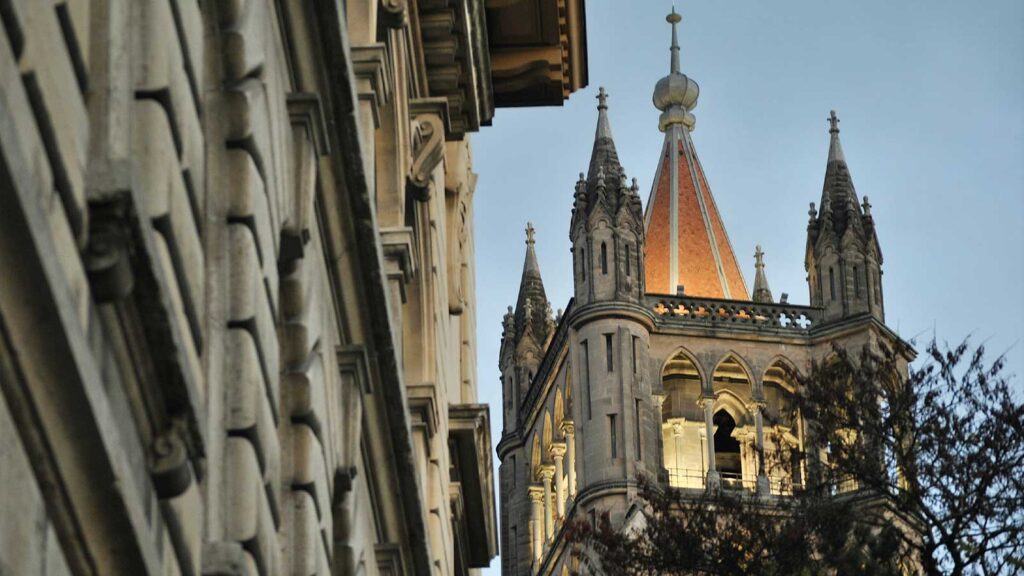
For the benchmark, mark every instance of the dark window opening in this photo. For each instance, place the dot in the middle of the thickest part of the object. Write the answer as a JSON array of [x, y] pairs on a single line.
[[583, 264], [636, 432], [831, 284], [727, 448], [604, 258], [634, 354], [628, 258], [609, 350], [856, 282], [613, 434]]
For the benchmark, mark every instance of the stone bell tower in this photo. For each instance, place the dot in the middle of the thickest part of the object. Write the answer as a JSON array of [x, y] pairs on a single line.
[[843, 259]]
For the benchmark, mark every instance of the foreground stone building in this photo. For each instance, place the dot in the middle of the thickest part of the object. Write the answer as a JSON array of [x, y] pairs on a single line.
[[663, 364], [237, 309]]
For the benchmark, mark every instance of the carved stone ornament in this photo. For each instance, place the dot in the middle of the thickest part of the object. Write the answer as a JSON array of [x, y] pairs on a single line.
[[169, 463], [107, 255], [394, 13], [427, 153]]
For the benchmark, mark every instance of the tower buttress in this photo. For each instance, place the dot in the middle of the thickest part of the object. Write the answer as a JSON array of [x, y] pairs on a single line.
[[843, 259]]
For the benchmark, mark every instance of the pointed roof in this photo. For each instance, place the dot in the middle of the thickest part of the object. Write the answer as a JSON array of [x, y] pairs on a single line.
[[604, 154], [533, 311], [762, 293], [686, 241], [838, 195]]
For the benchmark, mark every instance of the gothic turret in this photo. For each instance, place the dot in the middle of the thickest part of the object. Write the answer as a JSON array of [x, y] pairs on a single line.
[[526, 331], [762, 293], [607, 224], [843, 259], [687, 247]]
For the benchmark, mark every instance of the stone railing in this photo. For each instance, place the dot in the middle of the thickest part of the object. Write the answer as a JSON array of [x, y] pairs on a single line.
[[729, 313]]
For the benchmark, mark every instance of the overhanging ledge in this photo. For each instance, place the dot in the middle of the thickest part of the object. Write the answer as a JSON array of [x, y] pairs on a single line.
[[470, 437]]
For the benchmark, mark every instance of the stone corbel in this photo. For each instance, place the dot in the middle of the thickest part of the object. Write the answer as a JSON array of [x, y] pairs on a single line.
[[394, 13], [399, 261], [429, 119], [373, 76], [310, 142], [423, 407], [353, 360]]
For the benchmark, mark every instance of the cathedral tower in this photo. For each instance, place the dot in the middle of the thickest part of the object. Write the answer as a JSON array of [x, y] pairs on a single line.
[[843, 260], [664, 366]]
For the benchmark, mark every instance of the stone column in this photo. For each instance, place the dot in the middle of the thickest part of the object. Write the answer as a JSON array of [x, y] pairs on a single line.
[[537, 521], [677, 446], [659, 400], [763, 486], [546, 473], [569, 430], [713, 480], [558, 455]]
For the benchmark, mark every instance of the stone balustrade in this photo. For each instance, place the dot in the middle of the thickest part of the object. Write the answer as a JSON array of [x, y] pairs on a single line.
[[717, 313]]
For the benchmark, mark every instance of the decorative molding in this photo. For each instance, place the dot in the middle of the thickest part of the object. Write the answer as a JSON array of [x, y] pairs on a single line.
[[354, 361], [372, 69], [399, 249], [390, 560], [305, 109], [423, 406]]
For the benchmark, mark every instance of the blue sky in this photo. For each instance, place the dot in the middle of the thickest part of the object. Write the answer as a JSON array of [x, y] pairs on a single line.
[[930, 100]]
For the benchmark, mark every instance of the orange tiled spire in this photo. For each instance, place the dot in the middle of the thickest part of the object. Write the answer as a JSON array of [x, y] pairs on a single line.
[[686, 242]]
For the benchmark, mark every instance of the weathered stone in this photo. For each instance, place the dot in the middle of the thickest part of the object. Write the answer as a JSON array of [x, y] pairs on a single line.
[[60, 113]]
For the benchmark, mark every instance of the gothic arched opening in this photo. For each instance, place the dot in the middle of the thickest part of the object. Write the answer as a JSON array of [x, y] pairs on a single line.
[[684, 450], [727, 449]]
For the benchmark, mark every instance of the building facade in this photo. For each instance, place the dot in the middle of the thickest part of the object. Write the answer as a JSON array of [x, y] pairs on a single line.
[[663, 364], [237, 308]]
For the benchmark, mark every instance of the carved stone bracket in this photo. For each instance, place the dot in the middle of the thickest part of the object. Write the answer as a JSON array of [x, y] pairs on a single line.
[[305, 109], [107, 257], [309, 130], [394, 13], [169, 462], [400, 263], [429, 119], [353, 360], [373, 76]]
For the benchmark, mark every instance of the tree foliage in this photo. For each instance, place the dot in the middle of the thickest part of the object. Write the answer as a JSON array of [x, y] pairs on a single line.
[[911, 470]]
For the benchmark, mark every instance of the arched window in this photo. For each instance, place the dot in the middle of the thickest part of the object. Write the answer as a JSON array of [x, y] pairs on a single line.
[[727, 449], [604, 258], [856, 282], [831, 284], [628, 257]]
